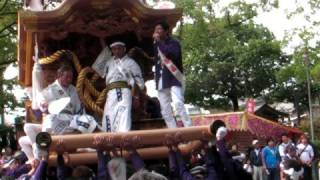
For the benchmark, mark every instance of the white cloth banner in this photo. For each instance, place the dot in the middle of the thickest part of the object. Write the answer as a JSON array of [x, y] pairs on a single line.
[[100, 65], [36, 85]]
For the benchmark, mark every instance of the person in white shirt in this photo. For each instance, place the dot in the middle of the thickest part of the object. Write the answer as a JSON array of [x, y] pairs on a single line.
[[285, 141], [121, 73], [306, 155], [61, 88]]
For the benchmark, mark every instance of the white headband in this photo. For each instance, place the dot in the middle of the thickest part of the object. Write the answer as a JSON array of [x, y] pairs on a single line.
[[117, 43]]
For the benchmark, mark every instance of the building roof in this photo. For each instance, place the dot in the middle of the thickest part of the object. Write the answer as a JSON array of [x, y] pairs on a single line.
[[270, 113], [244, 121]]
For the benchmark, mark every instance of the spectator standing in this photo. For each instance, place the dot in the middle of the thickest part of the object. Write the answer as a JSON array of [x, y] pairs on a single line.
[[285, 141], [255, 157], [291, 164], [306, 155], [271, 160]]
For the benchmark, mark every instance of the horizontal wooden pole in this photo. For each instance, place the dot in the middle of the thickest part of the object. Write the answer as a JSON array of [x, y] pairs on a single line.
[[146, 138], [159, 152]]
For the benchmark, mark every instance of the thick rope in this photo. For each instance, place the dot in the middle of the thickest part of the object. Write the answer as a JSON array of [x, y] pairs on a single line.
[[84, 93], [85, 88]]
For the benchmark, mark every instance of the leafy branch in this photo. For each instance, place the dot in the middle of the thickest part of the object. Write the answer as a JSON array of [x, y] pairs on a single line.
[[7, 27], [4, 5]]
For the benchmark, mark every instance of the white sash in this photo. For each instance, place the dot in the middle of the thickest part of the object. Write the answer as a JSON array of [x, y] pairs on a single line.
[[172, 68]]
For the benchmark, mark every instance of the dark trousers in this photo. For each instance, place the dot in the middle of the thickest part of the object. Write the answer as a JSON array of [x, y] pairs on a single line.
[[274, 174], [307, 172]]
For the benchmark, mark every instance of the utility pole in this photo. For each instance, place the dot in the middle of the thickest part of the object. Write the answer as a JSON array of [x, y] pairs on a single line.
[[307, 63], [2, 95]]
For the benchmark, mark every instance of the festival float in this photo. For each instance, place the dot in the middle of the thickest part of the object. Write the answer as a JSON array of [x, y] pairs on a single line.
[[72, 32]]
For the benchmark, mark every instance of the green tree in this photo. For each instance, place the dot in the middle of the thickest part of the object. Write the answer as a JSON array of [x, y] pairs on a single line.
[[293, 76], [227, 56], [8, 44]]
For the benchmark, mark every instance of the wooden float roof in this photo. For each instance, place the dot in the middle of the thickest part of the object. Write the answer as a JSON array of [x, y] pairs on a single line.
[[245, 121], [100, 18]]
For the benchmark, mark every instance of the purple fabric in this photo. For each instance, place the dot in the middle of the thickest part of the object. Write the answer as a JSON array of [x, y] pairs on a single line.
[[17, 172], [61, 168], [102, 168], [136, 160], [172, 50], [37, 113], [41, 171], [209, 159], [226, 159], [184, 173], [103, 173], [173, 164]]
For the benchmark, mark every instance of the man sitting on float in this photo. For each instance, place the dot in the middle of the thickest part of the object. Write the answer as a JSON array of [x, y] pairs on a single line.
[[121, 73], [62, 105]]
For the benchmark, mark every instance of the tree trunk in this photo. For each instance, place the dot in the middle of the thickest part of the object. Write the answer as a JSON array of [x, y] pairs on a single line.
[[235, 104]]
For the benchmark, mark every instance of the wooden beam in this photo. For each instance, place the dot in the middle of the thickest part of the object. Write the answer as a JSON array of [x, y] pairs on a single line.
[[159, 152], [154, 137]]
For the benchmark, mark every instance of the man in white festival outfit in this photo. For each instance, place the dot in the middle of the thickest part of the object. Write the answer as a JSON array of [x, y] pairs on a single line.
[[53, 123], [121, 74]]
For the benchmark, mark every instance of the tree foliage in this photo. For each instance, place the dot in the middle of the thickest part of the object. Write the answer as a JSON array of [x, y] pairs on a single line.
[[227, 56], [8, 49], [305, 56]]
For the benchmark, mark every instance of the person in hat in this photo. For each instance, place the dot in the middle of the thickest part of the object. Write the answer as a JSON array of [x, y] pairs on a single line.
[[255, 157], [169, 75], [224, 154], [121, 73]]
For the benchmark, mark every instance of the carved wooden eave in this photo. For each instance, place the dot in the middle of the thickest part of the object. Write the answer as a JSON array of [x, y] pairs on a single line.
[[100, 18]]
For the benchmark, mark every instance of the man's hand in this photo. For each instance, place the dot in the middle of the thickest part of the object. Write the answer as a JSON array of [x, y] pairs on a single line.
[[98, 142], [131, 144], [44, 105], [34, 164], [60, 147], [172, 141], [156, 37]]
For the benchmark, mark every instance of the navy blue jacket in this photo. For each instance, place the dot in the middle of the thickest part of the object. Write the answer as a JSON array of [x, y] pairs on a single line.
[[256, 160], [172, 50]]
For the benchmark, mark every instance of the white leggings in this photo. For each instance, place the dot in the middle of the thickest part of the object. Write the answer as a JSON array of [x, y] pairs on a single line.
[[175, 95], [26, 142]]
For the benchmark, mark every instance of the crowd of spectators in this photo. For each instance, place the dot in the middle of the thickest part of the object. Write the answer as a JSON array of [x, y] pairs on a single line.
[[213, 161]]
